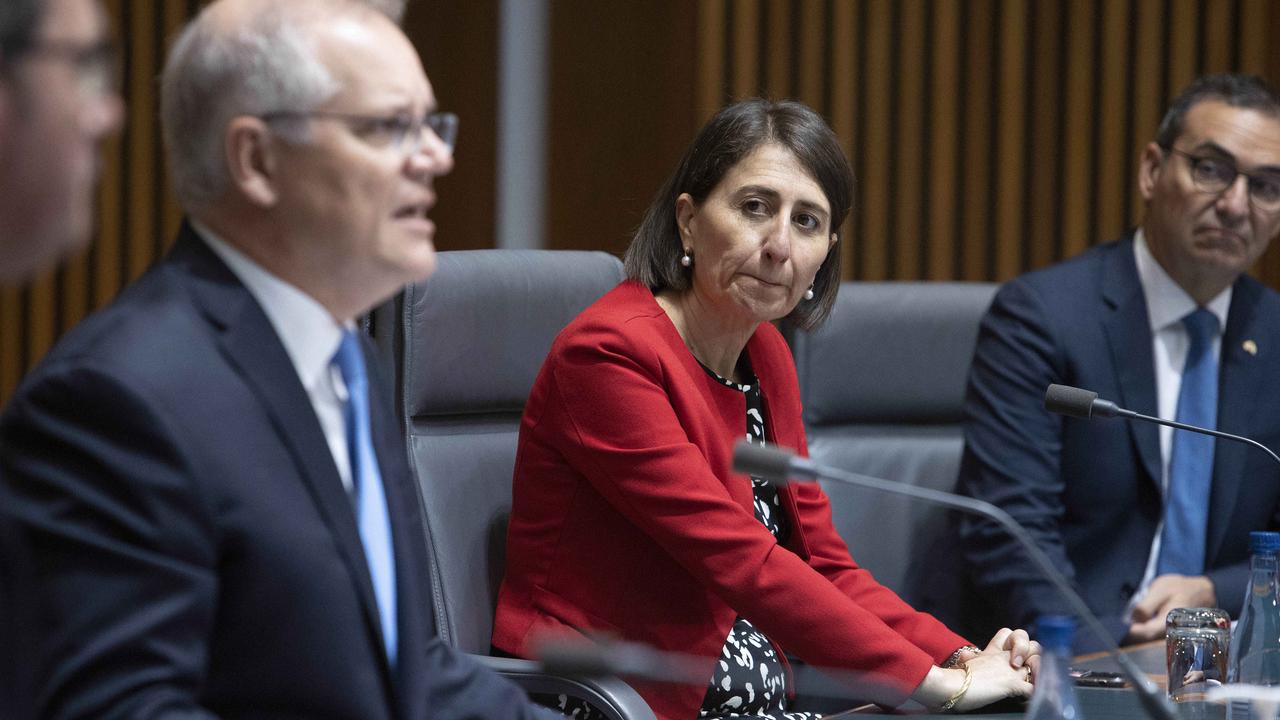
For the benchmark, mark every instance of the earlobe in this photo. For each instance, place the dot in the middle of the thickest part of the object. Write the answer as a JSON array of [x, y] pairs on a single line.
[[251, 160]]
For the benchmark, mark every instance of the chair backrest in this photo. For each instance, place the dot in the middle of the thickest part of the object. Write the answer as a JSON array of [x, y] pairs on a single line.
[[471, 341], [882, 383]]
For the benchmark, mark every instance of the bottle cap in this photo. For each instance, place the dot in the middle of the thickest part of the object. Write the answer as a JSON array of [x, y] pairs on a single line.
[[1055, 631], [1264, 543]]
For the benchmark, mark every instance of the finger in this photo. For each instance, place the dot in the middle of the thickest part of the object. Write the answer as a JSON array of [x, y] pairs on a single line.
[[1149, 630], [998, 640], [1036, 649], [1019, 646], [1033, 662]]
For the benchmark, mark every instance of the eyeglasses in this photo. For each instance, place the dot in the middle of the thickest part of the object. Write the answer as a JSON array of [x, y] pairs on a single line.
[[1215, 175], [401, 132], [95, 62]]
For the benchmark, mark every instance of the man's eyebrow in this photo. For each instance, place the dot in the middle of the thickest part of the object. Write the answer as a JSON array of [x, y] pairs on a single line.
[[1213, 147]]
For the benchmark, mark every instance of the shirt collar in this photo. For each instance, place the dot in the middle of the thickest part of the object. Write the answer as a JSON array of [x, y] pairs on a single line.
[[1167, 302], [308, 332]]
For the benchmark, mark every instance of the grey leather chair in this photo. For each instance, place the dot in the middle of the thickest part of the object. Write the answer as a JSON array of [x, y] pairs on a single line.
[[469, 343], [882, 384]]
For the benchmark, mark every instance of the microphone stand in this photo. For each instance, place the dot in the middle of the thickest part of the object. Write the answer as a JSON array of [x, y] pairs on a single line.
[[779, 466]]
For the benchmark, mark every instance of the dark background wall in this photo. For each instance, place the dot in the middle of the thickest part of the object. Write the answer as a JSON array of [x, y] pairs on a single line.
[[988, 136]]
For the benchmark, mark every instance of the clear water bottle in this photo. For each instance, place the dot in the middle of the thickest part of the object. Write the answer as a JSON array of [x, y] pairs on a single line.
[[1255, 645], [1055, 694]]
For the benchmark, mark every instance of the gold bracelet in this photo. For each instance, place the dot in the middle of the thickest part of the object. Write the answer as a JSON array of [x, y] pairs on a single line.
[[964, 688], [954, 660]]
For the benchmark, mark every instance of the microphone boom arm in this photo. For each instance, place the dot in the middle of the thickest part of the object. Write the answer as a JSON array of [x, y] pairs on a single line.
[[1151, 697]]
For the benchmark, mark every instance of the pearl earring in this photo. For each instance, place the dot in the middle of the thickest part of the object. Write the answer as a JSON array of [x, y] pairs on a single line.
[[686, 260], [808, 294]]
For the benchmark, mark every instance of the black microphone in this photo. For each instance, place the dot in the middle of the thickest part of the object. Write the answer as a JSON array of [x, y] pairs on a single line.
[[1079, 403], [780, 466]]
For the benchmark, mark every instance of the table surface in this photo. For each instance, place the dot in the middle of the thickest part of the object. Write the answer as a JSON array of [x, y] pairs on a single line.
[[1095, 703]]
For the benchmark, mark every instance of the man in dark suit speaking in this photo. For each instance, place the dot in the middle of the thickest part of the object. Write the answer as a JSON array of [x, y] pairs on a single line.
[[206, 479], [1163, 322]]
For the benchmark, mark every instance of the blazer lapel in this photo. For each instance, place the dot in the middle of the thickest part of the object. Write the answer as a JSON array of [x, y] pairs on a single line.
[[250, 344], [1128, 330], [1240, 385]]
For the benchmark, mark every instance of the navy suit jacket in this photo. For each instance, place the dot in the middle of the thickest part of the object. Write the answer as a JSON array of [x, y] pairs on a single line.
[[192, 551], [1090, 490]]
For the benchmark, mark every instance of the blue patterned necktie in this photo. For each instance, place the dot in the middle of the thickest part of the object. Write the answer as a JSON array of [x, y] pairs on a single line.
[[367, 492], [1186, 513]]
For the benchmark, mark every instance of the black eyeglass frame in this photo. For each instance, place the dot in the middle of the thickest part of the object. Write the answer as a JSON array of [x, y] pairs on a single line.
[[1255, 180]]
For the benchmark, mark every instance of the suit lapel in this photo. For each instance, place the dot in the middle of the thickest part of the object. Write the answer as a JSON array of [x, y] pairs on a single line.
[[414, 599], [250, 344], [1128, 330], [1240, 383]]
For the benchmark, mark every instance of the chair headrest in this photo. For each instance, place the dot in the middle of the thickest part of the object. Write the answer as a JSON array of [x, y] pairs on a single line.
[[891, 352], [477, 331]]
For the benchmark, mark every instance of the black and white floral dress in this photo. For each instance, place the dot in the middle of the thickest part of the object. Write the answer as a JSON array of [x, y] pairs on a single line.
[[750, 680]]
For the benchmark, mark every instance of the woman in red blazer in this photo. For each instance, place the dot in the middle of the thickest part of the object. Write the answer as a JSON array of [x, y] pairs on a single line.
[[627, 517]]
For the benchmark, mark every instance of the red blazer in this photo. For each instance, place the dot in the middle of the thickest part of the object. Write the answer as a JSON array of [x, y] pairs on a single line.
[[627, 518]]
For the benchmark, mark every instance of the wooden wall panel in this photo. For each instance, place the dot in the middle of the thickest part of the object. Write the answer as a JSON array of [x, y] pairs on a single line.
[[988, 137]]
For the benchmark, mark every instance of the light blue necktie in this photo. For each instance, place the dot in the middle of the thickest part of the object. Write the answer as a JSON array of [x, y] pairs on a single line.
[[1186, 512], [370, 501]]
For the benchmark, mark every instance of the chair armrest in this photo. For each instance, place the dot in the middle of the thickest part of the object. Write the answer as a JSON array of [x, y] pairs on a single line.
[[610, 695]]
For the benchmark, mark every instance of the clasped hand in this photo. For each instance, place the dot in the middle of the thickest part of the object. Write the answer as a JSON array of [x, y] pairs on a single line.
[[1005, 668]]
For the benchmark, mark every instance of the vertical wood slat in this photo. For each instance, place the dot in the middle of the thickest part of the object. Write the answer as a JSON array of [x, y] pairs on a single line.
[[1011, 133], [11, 325], [1113, 174], [746, 47], [1184, 26], [1219, 40], [1079, 116], [844, 71], [944, 145], [142, 150], [711, 52], [977, 96], [1148, 103], [873, 236], [1046, 128], [777, 54], [810, 56], [908, 183]]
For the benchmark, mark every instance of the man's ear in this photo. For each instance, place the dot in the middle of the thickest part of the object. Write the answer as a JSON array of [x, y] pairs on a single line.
[[251, 160], [1150, 165]]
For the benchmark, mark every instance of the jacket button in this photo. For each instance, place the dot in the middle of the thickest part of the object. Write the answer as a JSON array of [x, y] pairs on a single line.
[[1127, 590]]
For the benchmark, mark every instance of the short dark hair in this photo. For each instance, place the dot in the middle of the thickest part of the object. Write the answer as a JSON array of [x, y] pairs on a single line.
[[1241, 91], [653, 258], [18, 22]]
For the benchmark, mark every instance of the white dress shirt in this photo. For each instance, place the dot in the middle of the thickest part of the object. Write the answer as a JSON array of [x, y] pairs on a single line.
[[1167, 304], [310, 336]]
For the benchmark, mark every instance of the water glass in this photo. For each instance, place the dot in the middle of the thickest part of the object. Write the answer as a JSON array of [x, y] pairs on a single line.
[[1196, 645]]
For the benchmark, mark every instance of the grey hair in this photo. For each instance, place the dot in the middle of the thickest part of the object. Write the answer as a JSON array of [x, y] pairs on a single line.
[[213, 74]]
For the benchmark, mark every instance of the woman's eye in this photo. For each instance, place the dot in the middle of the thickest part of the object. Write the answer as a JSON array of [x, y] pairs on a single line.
[[754, 206], [806, 221]]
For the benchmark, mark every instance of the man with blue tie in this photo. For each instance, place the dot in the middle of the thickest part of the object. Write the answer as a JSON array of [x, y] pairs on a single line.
[[1164, 322], [206, 477]]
